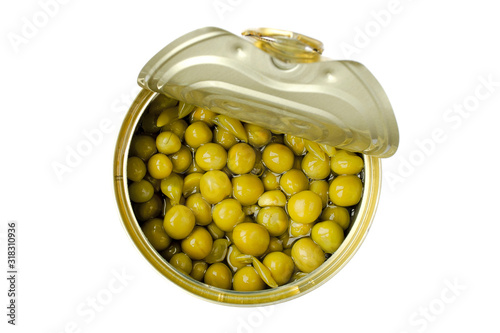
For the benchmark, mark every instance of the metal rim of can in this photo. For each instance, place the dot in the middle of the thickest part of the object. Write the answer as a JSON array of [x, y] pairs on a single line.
[[359, 228]]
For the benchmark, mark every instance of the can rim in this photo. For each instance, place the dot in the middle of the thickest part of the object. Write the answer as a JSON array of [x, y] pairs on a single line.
[[326, 271]]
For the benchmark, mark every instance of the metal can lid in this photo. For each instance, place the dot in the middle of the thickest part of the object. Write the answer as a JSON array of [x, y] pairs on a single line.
[[278, 80]]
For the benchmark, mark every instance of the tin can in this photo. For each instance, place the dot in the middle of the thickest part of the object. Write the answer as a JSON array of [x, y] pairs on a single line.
[[278, 80]]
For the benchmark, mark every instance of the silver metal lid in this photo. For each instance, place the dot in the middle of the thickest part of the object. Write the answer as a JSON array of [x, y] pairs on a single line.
[[278, 80]]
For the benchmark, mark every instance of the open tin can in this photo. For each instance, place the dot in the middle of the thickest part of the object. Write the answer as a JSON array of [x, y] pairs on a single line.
[[278, 80]]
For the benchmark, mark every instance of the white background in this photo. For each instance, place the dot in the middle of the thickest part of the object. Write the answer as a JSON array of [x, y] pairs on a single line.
[[436, 224]]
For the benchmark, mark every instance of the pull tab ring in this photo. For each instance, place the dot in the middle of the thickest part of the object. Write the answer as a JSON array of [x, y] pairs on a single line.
[[286, 45]]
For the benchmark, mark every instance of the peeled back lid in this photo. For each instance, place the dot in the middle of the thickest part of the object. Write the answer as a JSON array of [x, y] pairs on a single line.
[[339, 103]]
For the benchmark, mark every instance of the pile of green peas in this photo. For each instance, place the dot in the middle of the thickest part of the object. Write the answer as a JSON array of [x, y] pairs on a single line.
[[235, 205]]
